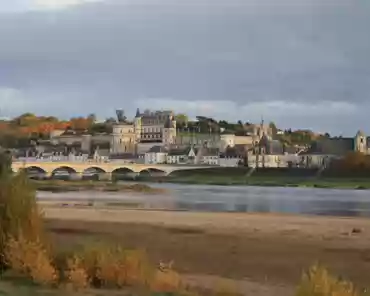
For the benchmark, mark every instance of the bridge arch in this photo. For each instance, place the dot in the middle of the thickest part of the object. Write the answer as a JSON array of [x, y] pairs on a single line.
[[32, 169], [35, 172], [66, 169], [122, 173], [152, 172], [95, 169], [93, 173], [63, 172]]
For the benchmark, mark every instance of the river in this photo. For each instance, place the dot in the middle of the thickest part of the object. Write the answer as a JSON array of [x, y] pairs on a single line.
[[313, 201]]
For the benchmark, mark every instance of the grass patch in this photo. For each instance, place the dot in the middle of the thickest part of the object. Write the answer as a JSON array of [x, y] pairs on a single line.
[[185, 230], [58, 186], [319, 282]]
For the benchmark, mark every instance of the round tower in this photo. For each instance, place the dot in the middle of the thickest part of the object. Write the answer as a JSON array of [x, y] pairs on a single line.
[[123, 139], [169, 131], [360, 142]]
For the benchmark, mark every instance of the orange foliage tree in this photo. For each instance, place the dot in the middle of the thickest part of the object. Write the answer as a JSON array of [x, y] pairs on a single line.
[[354, 161]]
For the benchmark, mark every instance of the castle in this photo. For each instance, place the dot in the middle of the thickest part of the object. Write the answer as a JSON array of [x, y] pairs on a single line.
[[147, 130], [156, 130]]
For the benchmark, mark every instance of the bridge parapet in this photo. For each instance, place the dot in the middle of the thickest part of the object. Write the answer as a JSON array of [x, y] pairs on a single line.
[[106, 167]]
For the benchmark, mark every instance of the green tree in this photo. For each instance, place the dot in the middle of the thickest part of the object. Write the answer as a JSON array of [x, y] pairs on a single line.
[[181, 120], [5, 163], [110, 120], [273, 127]]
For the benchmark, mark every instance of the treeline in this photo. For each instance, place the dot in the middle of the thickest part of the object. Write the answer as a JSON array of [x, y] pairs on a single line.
[[22, 131], [353, 164]]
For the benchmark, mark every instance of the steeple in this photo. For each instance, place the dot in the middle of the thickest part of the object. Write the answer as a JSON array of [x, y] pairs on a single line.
[[137, 112]]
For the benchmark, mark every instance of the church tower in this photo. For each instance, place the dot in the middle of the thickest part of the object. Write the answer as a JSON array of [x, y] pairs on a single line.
[[138, 126], [360, 142]]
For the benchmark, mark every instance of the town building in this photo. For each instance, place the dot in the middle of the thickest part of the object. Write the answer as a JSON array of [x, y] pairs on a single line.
[[324, 150], [156, 155], [233, 156], [253, 133]]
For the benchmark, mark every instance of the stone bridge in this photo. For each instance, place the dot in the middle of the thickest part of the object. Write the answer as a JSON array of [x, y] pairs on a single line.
[[51, 167]]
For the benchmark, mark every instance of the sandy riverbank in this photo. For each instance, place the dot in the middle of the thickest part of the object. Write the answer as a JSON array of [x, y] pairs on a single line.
[[262, 253], [299, 226]]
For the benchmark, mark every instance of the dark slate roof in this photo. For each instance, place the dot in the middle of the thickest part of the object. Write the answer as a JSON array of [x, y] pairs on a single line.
[[122, 156], [331, 146], [137, 113], [176, 152], [100, 145], [233, 152], [210, 152], [157, 149]]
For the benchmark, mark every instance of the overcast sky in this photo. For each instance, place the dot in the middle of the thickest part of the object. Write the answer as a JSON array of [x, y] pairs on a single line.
[[300, 63]]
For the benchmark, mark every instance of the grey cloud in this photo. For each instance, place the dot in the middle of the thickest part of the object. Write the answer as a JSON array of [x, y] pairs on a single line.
[[112, 54]]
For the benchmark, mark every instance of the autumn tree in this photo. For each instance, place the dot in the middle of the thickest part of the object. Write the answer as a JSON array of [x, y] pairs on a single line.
[[91, 118], [79, 123]]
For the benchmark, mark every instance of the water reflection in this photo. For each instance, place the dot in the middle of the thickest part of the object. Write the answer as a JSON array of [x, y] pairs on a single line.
[[238, 199]]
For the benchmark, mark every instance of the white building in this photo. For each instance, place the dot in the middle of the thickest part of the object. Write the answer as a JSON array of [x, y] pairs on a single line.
[[233, 156], [209, 156], [156, 155], [181, 156]]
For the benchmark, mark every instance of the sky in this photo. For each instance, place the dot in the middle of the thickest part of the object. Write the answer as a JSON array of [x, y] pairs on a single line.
[[300, 63]]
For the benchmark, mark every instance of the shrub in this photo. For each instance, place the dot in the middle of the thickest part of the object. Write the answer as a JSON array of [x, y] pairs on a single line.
[[114, 267], [76, 275], [19, 214], [318, 282], [165, 280], [30, 259]]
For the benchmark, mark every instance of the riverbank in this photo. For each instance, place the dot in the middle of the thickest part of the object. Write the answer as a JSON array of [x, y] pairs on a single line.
[[272, 177], [265, 252], [226, 180], [330, 183], [59, 186]]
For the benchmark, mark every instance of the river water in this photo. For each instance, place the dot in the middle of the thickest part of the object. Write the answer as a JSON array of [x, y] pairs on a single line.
[[211, 198]]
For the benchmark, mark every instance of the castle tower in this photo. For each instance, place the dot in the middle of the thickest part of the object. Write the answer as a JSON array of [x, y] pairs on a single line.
[[360, 142], [123, 139], [169, 131]]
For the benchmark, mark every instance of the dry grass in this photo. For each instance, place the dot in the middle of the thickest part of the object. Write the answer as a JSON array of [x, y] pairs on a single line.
[[226, 289], [19, 214], [165, 279], [22, 234], [318, 282], [76, 275], [114, 267], [30, 259]]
